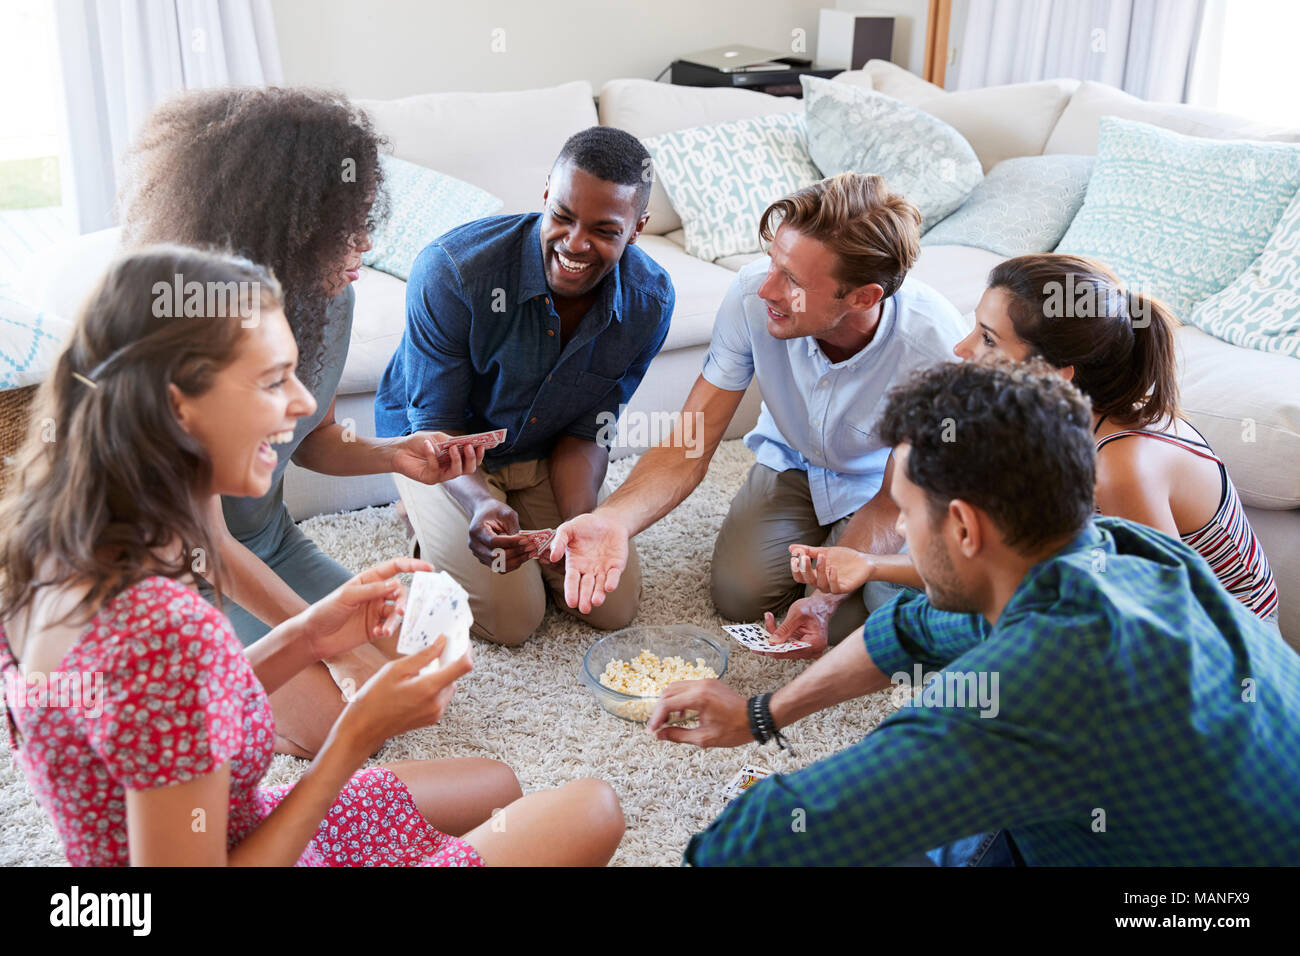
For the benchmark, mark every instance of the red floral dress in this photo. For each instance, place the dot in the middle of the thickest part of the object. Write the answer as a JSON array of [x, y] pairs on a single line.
[[176, 698]]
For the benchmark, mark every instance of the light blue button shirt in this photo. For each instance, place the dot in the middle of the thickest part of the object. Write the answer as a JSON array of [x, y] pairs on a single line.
[[819, 416]]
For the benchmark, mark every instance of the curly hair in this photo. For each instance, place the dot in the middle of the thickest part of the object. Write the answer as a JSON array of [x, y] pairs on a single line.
[[1014, 440], [107, 480], [284, 177]]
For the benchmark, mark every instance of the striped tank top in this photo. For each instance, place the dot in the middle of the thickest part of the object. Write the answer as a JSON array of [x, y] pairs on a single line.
[[1227, 542]]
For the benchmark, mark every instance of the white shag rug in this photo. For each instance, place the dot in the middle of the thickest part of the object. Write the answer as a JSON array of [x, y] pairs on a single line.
[[525, 706]]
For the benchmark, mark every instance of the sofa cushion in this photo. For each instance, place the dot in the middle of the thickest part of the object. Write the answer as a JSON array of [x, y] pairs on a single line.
[[505, 143], [863, 131], [647, 109], [1179, 217], [721, 178], [423, 204], [1247, 404], [959, 273], [1077, 130], [378, 321], [998, 121], [1260, 309], [1023, 206], [699, 285]]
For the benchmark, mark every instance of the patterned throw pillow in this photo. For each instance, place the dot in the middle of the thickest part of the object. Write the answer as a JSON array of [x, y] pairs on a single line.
[[1261, 308], [1179, 217], [721, 178], [423, 204], [920, 156], [1023, 206], [30, 340]]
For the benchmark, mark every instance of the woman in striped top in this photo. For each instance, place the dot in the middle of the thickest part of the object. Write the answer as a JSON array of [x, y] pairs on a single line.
[[1118, 348]]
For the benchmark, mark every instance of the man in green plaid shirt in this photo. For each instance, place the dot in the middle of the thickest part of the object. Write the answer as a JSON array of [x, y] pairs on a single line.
[[1098, 698]]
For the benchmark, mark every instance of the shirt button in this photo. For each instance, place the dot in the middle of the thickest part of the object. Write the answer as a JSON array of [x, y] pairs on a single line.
[[533, 420], [821, 383], [817, 421], [550, 332]]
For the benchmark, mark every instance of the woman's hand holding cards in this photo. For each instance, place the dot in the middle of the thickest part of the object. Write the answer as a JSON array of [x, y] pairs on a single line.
[[418, 457], [368, 607], [723, 719], [399, 698]]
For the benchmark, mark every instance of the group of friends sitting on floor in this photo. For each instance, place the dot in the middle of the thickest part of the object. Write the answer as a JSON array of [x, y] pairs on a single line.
[[929, 503]]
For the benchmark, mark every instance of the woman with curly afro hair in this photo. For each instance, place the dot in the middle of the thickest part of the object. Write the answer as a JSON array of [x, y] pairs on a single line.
[[289, 179]]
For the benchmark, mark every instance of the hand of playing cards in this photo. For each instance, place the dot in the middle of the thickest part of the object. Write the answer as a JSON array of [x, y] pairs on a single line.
[[485, 439], [436, 605], [755, 637]]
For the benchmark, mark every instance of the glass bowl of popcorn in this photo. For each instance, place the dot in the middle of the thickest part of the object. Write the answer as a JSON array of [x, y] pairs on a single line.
[[626, 671]]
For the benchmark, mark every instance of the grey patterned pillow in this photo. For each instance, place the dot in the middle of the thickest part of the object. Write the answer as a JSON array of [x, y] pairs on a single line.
[[1023, 206], [851, 129]]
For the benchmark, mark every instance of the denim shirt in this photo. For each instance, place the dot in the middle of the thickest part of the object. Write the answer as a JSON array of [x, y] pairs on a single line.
[[482, 343]]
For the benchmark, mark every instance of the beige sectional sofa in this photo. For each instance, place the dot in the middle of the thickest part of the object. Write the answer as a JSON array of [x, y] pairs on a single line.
[[505, 143]]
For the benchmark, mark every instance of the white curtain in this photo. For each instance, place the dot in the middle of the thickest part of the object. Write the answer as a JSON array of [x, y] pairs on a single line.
[[1145, 47], [120, 58]]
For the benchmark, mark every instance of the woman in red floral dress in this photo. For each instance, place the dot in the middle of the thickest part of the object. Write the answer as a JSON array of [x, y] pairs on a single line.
[[156, 756]]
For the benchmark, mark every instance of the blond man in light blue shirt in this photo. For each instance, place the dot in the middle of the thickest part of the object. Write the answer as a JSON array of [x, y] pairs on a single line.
[[827, 324]]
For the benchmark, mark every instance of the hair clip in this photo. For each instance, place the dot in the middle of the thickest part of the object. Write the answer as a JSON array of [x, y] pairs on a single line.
[[81, 378]]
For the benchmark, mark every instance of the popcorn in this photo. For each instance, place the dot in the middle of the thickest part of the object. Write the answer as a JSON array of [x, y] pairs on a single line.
[[647, 676]]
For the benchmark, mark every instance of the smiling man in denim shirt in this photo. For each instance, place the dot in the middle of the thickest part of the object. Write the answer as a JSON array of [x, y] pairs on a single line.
[[541, 324]]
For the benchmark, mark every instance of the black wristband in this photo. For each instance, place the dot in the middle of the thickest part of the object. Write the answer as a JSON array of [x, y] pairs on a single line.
[[761, 724]]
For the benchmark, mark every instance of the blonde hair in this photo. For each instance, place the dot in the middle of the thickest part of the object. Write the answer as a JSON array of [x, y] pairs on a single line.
[[874, 234]]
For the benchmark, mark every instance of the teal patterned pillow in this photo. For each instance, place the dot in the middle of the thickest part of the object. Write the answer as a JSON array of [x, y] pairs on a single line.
[[721, 178], [851, 129], [1261, 308], [30, 340], [1180, 217], [1023, 206], [423, 204]]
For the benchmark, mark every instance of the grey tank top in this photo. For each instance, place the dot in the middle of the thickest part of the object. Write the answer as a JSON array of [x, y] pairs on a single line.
[[248, 518]]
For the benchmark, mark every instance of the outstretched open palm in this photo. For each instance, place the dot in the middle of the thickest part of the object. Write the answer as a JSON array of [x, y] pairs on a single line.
[[597, 554]]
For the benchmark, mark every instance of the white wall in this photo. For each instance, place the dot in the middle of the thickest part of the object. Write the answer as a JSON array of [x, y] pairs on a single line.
[[391, 48]]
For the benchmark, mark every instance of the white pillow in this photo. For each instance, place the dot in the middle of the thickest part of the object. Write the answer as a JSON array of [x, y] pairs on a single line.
[[998, 121], [721, 178], [505, 143]]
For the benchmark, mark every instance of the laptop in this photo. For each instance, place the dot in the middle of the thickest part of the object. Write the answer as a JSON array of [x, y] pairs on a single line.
[[737, 59]]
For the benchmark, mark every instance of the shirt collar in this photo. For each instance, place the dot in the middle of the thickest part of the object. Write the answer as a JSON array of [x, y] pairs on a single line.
[[884, 329], [532, 275], [532, 270]]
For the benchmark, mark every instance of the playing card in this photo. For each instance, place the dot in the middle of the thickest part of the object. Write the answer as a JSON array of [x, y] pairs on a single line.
[[745, 778], [436, 605], [754, 637], [537, 541], [488, 439]]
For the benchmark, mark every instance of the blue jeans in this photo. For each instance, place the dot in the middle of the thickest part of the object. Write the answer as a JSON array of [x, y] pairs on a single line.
[[982, 849]]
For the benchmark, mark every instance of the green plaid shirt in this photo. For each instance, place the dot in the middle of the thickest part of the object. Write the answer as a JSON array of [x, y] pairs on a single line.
[[1143, 717]]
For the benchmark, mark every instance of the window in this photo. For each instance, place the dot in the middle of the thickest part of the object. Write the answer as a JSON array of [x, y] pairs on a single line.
[[32, 213]]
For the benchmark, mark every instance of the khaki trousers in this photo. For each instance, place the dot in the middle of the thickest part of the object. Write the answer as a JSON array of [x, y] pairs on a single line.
[[508, 608], [751, 558]]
